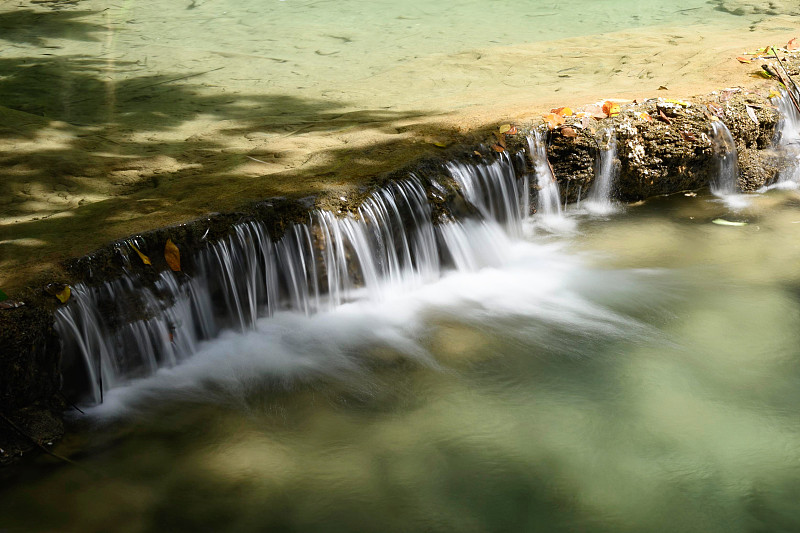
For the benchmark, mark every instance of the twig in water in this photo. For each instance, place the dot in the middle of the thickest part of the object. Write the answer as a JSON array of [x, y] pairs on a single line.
[[254, 159]]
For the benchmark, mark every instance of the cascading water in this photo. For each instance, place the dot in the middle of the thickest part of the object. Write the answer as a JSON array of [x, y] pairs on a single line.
[[606, 172], [494, 189], [549, 197], [125, 329], [787, 139], [726, 180]]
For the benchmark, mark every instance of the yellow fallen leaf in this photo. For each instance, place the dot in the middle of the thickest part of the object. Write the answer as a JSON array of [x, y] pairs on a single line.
[[773, 93], [504, 128], [676, 102], [64, 294], [144, 258], [440, 144], [172, 255]]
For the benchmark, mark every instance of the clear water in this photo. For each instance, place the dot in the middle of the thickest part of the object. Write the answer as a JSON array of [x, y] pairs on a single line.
[[638, 374], [273, 62]]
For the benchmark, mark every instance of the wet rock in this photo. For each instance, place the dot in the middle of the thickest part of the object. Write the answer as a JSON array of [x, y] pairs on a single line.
[[758, 168], [573, 160]]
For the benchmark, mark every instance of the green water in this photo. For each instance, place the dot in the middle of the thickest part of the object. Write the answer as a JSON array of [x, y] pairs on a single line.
[[639, 373], [103, 61]]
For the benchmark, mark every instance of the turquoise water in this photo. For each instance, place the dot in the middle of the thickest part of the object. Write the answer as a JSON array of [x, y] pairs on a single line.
[[638, 372]]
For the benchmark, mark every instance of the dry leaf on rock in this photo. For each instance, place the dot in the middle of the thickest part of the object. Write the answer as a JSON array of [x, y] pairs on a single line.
[[752, 114], [595, 111], [715, 110], [59, 290], [172, 256], [144, 258], [553, 120], [568, 132], [611, 109]]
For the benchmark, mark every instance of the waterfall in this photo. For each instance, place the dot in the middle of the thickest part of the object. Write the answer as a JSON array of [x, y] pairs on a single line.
[[549, 197], [127, 328], [726, 180], [494, 189], [787, 138], [606, 172]]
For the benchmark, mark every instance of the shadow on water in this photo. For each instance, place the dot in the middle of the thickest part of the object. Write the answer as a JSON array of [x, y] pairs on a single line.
[[92, 141], [26, 26]]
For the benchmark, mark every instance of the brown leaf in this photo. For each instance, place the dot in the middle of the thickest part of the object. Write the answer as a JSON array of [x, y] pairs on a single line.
[[689, 137], [172, 255], [792, 45], [568, 132], [663, 118], [11, 304], [498, 148], [512, 130]]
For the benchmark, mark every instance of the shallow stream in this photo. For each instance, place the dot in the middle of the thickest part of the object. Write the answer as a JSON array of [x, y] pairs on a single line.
[[633, 372]]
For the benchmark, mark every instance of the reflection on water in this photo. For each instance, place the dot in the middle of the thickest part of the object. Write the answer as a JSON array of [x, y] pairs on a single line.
[[639, 375]]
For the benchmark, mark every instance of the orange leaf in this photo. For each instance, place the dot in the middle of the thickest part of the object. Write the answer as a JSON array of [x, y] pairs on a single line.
[[664, 118], [563, 111], [792, 45], [553, 120], [741, 59], [498, 148], [172, 255], [512, 131], [611, 109]]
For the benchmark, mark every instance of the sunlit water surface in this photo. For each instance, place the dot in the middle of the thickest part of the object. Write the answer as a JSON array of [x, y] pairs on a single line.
[[635, 372]]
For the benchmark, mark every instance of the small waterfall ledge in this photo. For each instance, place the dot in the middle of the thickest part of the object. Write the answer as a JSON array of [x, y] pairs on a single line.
[[309, 256], [139, 321]]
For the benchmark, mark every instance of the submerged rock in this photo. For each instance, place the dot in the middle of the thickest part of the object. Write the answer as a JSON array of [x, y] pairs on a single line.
[[755, 7]]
